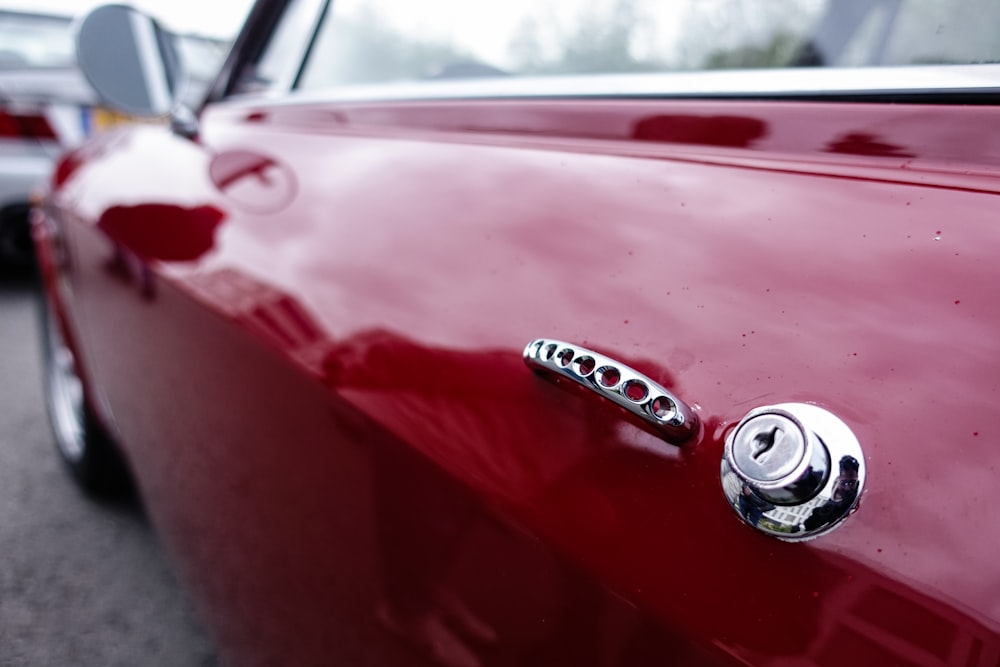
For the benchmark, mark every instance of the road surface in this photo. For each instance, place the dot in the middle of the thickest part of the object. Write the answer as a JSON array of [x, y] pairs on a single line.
[[80, 583]]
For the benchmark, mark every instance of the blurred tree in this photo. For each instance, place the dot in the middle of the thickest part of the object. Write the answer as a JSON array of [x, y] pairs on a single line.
[[602, 40], [745, 33], [780, 51], [381, 53]]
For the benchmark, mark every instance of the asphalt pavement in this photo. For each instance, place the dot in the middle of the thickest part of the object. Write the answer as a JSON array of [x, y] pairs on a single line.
[[81, 583]]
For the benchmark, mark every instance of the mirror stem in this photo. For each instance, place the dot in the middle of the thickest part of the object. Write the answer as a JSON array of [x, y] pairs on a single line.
[[184, 122]]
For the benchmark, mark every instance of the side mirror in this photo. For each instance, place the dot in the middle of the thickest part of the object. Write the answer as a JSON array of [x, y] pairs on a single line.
[[130, 61]]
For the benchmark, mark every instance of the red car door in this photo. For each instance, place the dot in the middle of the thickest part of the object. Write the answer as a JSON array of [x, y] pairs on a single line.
[[335, 421], [307, 329]]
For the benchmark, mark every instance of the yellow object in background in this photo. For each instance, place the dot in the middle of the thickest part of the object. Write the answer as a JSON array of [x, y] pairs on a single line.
[[102, 119], [98, 119]]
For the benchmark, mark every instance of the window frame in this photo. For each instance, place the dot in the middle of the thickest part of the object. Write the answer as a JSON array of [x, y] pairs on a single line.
[[929, 84], [262, 23]]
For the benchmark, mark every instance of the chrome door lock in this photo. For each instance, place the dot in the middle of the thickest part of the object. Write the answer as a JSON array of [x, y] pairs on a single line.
[[793, 471]]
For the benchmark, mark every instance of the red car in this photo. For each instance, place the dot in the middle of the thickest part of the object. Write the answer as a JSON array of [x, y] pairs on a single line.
[[622, 334]]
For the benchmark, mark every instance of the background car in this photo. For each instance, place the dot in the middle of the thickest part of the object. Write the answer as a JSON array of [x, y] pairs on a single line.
[[46, 107], [41, 94], [514, 335]]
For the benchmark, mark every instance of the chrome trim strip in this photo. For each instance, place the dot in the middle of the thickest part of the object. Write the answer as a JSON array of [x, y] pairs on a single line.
[[797, 82], [618, 383]]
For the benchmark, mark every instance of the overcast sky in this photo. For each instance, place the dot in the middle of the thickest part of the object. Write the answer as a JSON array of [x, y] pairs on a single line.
[[217, 18]]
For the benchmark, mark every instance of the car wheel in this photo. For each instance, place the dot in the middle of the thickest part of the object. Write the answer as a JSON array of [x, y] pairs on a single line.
[[91, 456]]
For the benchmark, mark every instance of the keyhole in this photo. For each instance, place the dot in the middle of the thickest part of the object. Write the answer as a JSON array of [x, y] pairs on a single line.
[[763, 442]]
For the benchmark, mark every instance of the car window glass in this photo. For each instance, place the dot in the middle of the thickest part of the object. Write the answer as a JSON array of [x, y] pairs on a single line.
[[867, 42], [945, 32], [30, 40], [380, 41]]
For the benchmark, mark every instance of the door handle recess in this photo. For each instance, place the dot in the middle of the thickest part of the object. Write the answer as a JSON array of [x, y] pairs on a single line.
[[618, 383]]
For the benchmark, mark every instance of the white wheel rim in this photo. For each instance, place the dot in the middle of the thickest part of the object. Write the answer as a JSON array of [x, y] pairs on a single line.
[[65, 394]]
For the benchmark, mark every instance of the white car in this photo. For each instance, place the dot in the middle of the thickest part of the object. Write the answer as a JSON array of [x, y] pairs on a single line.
[[42, 101], [46, 107]]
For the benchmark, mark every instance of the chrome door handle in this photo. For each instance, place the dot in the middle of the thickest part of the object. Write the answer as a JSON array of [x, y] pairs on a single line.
[[618, 383]]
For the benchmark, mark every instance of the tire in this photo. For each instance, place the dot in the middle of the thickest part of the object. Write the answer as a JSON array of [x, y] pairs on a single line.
[[17, 253], [90, 455]]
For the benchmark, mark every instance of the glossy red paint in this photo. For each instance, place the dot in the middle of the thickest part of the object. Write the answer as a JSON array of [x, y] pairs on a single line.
[[327, 411]]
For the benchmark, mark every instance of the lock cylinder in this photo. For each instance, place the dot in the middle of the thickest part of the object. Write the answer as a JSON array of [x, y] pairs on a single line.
[[793, 471], [781, 460]]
